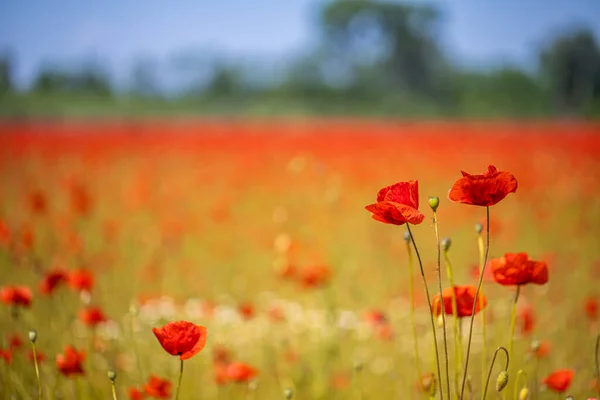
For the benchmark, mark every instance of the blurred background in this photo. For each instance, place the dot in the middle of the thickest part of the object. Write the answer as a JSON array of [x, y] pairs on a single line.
[[445, 58]]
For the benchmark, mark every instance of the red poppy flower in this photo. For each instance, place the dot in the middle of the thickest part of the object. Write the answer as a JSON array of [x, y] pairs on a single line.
[[484, 189], [527, 319], [181, 338], [37, 202], [240, 372], [591, 308], [158, 388], [81, 200], [4, 234], [15, 342], [220, 371], [221, 355], [560, 380], [39, 356], [81, 279], [315, 276], [71, 362], [247, 310], [397, 204], [135, 393], [16, 296], [92, 316], [518, 269], [375, 318], [6, 355], [465, 295], [52, 280]]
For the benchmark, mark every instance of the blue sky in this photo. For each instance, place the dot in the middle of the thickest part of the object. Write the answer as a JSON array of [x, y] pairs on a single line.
[[475, 33]]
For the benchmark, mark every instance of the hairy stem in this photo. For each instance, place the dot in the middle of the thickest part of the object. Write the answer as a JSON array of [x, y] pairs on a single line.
[[487, 250], [412, 313], [439, 278], [487, 382], [179, 381], [437, 356]]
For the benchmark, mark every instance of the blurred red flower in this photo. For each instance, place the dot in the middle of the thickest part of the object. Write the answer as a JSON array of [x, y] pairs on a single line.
[[39, 356], [246, 310], [15, 342], [6, 355], [591, 308], [240, 372], [135, 393], [4, 234], [220, 371], [52, 280], [543, 349], [465, 295], [16, 296], [560, 380], [527, 319], [315, 276], [181, 338], [518, 269], [484, 189], [71, 362], [397, 204], [158, 388], [80, 198], [81, 279], [37, 203], [92, 316]]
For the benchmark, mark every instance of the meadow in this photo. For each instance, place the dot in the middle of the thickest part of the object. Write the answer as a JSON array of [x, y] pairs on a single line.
[[257, 230]]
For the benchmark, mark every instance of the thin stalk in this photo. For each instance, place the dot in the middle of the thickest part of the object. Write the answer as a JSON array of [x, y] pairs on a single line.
[[483, 324], [179, 381], [114, 391], [487, 250], [516, 390], [513, 319], [597, 360], [37, 371], [458, 345], [487, 382], [412, 313], [437, 356], [439, 278]]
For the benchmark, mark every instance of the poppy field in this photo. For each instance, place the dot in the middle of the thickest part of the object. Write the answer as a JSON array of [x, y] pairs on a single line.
[[299, 259]]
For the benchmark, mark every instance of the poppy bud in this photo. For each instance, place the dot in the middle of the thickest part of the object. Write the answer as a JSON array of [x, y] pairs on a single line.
[[112, 375], [288, 393], [32, 336], [478, 228], [524, 394], [434, 203], [446, 243], [407, 236], [535, 346], [570, 398], [501, 381]]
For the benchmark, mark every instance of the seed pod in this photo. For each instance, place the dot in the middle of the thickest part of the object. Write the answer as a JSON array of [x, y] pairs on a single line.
[[32, 336], [112, 375], [501, 381], [524, 394]]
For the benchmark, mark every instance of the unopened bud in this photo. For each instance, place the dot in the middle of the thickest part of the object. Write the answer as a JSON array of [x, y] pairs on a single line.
[[407, 236], [32, 336], [440, 321], [501, 381], [524, 394], [446, 243], [434, 203], [478, 228], [570, 398], [288, 393], [535, 346], [112, 375]]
